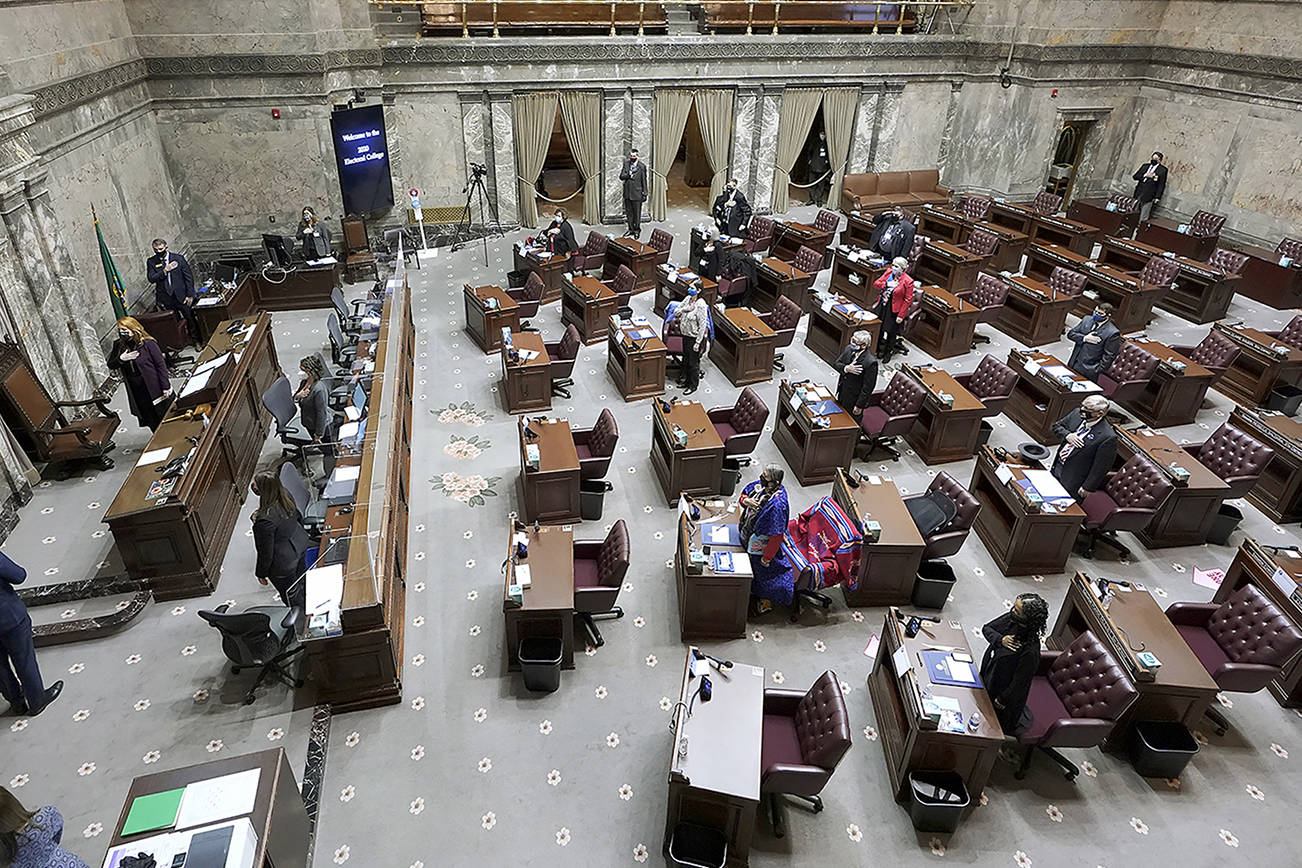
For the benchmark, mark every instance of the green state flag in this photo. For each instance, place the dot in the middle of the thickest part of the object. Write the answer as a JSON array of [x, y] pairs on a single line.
[[111, 275]]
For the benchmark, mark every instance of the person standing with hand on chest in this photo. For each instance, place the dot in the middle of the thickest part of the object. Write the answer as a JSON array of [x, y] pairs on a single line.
[[136, 356], [1097, 340], [1088, 449], [858, 369], [1150, 184], [635, 189], [173, 284], [895, 294], [314, 236], [1010, 661], [693, 317]]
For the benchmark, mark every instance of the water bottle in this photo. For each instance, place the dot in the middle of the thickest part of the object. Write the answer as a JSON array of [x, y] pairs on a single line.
[[974, 722]]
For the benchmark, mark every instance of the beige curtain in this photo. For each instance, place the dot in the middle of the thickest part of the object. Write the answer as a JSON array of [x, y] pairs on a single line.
[[535, 115], [799, 105], [667, 122], [581, 112], [839, 104], [714, 111]]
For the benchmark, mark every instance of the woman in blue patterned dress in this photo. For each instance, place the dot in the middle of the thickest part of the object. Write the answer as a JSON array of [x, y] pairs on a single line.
[[30, 839], [764, 515]]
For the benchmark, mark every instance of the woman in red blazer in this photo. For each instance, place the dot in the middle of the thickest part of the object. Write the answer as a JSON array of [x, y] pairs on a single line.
[[895, 289]]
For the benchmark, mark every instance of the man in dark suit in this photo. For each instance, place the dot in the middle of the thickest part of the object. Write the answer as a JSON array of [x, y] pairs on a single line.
[[858, 369], [893, 234], [1097, 341], [819, 170], [173, 284], [20, 679], [635, 189], [1088, 449], [1150, 184], [731, 210]]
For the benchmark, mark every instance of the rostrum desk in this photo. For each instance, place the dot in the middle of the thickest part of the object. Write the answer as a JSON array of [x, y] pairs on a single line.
[[636, 366], [1166, 234], [946, 324], [1023, 538], [1270, 283], [527, 386], [672, 284], [1064, 232], [1170, 397], [695, 469], [944, 432], [551, 269], [947, 266], [1186, 516], [1278, 491], [1095, 212], [789, 236], [640, 258], [813, 453], [743, 347], [550, 492], [858, 229], [1277, 575], [853, 275], [485, 319], [587, 304], [711, 605], [888, 568], [833, 321], [775, 278], [1039, 400], [548, 606], [1033, 313]]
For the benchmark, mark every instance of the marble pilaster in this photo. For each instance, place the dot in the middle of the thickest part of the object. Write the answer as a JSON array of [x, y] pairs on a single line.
[[502, 120], [742, 164], [862, 142], [888, 113], [770, 110], [474, 119], [643, 108], [616, 109]]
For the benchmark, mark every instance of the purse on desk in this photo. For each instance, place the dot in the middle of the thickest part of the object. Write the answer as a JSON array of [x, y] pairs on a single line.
[[144, 860]]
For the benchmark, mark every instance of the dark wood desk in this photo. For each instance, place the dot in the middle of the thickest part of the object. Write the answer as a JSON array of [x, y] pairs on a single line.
[[945, 324], [588, 304], [858, 229], [640, 258], [833, 321], [1171, 397], [675, 289], [711, 605], [1166, 234], [944, 431], [550, 269], [1201, 293], [1110, 221], [1065, 232], [1041, 259], [548, 607], [695, 469], [775, 278], [1179, 690], [888, 568], [942, 223], [1263, 364], [1132, 300], [1039, 400], [1009, 247], [1278, 491], [1186, 516], [279, 816], [910, 740], [1024, 538], [696, 246], [304, 287], [853, 274], [743, 347], [1019, 216], [550, 492], [1254, 565], [947, 266], [215, 306], [175, 543], [527, 386], [636, 365], [1264, 279], [485, 319], [1033, 313], [813, 453], [789, 236], [717, 782]]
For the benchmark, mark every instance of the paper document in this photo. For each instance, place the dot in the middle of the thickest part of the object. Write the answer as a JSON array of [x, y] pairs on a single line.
[[325, 260], [348, 430], [352, 413], [207, 302], [900, 660], [720, 535], [154, 455], [212, 363], [1208, 578], [195, 383], [1283, 581], [1031, 367], [1047, 484], [346, 474], [218, 799], [1003, 473], [1059, 371], [523, 575]]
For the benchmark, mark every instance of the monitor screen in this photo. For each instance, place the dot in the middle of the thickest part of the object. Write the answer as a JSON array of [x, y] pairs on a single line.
[[224, 271], [276, 250], [362, 154]]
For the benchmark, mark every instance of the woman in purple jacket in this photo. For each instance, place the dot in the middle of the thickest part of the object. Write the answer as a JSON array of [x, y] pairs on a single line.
[[137, 357]]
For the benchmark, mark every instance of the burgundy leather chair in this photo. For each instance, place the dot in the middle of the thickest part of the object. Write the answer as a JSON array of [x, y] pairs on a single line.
[[596, 445], [988, 294], [947, 539], [1125, 204], [1128, 375], [599, 568], [1290, 334], [826, 221], [1076, 697], [808, 260], [982, 243], [911, 316], [672, 337], [732, 289], [563, 353], [739, 426], [1215, 352], [759, 235], [891, 412], [1235, 456], [783, 319], [974, 208], [1046, 203], [623, 284], [592, 255], [1127, 501], [1243, 643], [662, 241], [1290, 247], [529, 296], [992, 381], [919, 245], [1065, 280], [804, 737], [1158, 271], [1229, 261], [1206, 224]]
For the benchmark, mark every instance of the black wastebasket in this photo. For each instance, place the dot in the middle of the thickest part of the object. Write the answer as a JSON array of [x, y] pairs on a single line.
[[937, 800], [540, 663], [983, 433], [731, 476], [1161, 748], [516, 279], [592, 497], [935, 581], [1227, 519], [1286, 399], [693, 846]]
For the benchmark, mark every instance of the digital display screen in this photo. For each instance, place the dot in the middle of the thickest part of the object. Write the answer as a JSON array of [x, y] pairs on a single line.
[[362, 153]]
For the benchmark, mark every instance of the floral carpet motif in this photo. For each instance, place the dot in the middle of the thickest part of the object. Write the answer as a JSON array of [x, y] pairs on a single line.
[[471, 490], [465, 447], [464, 413]]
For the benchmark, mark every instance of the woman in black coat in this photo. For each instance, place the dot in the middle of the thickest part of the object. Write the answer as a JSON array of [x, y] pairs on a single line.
[[136, 356], [279, 538], [1011, 660], [561, 234]]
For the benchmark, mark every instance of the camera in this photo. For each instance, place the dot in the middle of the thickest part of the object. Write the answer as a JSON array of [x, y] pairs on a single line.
[[478, 170]]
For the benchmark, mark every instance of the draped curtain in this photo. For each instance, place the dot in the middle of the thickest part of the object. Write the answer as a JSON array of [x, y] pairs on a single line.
[[581, 112], [535, 116], [668, 120], [839, 104], [799, 105], [714, 111]]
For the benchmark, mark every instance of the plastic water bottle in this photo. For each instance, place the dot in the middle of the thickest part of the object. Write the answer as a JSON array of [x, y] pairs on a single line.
[[974, 722]]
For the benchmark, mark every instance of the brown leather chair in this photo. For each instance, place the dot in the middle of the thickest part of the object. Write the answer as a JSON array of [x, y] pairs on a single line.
[[529, 296], [1235, 456], [1290, 247], [915, 253], [805, 735], [783, 319], [1128, 375], [1065, 280], [662, 241], [740, 425], [359, 259], [891, 412], [992, 381], [599, 570], [563, 354], [826, 221], [1125, 204], [1046, 203], [623, 284], [592, 255], [1158, 271], [1229, 261], [596, 445], [1215, 352], [946, 540], [808, 260], [1206, 224], [973, 207], [759, 235], [982, 243], [988, 294], [1128, 500], [732, 289], [1290, 334]]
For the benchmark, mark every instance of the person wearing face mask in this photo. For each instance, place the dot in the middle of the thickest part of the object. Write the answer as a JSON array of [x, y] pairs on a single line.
[[1150, 184], [731, 210], [136, 357], [278, 538], [561, 234], [819, 170], [173, 284], [895, 294], [693, 317], [1012, 658], [313, 398], [635, 189], [1097, 340], [1089, 447], [858, 369], [314, 236], [764, 516], [892, 234], [710, 265]]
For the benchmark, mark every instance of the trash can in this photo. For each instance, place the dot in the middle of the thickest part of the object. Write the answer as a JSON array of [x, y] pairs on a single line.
[[515, 279], [1161, 748], [592, 497], [731, 476], [693, 846], [1227, 519], [936, 801], [935, 581], [983, 433], [540, 662], [1286, 399]]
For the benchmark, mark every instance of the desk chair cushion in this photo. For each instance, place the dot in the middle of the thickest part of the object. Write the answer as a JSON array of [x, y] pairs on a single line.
[[808, 260], [1291, 334], [992, 381], [989, 294], [1124, 203], [1235, 456], [672, 336], [981, 242], [827, 221], [974, 208], [1065, 280], [732, 287], [919, 245], [592, 255], [567, 348], [1129, 498], [1242, 642], [1229, 261], [624, 283], [79, 438], [891, 411], [946, 540], [1077, 695], [1159, 271], [1206, 223], [1046, 203], [759, 235], [1130, 372], [783, 319], [739, 426], [805, 737], [662, 241], [599, 570], [1290, 247], [1215, 352], [596, 445]]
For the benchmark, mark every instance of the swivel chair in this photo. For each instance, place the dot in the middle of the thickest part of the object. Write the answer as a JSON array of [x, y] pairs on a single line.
[[662, 241], [740, 425], [599, 569], [946, 540], [592, 255], [279, 401], [262, 637], [891, 412], [1127, 501], [563, 354], [988, 295], [992, 382], [1236, 457], [783, 319], [596, 445], [1215, 352], [805, 735]]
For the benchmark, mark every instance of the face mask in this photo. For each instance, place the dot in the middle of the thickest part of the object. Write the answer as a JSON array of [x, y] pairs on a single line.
[[1100, 317], [123, 333], [559, 217], [1156, 161]]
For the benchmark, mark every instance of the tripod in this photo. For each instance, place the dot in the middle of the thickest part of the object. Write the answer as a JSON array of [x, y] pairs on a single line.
[[475, 190]]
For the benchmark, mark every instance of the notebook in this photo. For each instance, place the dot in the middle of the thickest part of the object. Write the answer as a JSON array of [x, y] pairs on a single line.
[[155, 811]]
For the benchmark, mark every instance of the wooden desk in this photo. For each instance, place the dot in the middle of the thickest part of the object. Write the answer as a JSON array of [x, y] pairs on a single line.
[[951, 225], [1278, 491], [1179, 690], [945, 324], [1009, 248], [485, 320], [774, 279], [1018, 216], [1033, 313], [711, 605], [833, 321], [944, 432], [668, 290], [305, 287], [1065, 232], [743, 347], [1264, 279], [1201, 292], [176, 543], [636, 365], [1095, 212], [717, 783], [587, 304], [697, 241], [853, 274], [947, 266], [1023, 538], [550, 269], [813, 453], [1132, 300], [1171, 397], [548, 607], [279, 816], [942, 223], [789, 236], [888, 567], [527, 385], [550, 493], [637, 255], [1041, 259], [1039, 400], [1254, 565], [213, 308], [858, 231], [1263, 364], [1186, 516], [1166, 235], [910, 740], [694, 469]]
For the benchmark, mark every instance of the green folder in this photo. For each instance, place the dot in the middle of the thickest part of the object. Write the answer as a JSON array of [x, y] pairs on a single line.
[[155, 811]]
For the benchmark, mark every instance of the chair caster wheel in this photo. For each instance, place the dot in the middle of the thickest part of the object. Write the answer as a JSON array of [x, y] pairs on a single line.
[[104, 463], [1071, 776], [818, 807]]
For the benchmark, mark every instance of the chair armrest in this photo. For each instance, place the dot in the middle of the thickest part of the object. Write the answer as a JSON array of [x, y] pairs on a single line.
[[1244, 677], [100, 403], [588, 549], [781, 701], [937, 538], [1076, 732], [1047, 659], [1190, 614], [580, 435], [947, 192], [793, 778], [292, 620], [719, 414]]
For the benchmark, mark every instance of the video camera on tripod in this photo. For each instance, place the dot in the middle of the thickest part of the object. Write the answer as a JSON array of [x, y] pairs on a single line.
[[477, 172]]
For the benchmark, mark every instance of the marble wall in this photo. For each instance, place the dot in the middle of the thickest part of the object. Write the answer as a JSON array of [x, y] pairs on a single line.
[[504, 187], [618, 106], [427, 140], [766, 151], [742, 164]]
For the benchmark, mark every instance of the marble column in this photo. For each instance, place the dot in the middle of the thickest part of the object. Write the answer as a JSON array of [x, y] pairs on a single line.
[[862, 143], [507, 195], [474, 125], [643, 108], [742, 164], [888, 115], [618, 108], [770, 109]]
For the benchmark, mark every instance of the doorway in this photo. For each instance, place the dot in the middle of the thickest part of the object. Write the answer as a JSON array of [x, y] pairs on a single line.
[[689, 176], [806, 189], [560, 177], [1067, 155]]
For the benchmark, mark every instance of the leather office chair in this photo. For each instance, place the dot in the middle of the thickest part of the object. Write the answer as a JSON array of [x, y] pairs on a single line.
[[740, 425], [563, 354], [1125, 204], [1127, 501], [759, 235], [1206, 224], [732, 289], [891, 412], [310, 507], [599, 568], [988, 294], [1243, 643], [1158, 271], [826, 221], [596, 445], [350, 321], [1046, 203], [982, 243], [529, 298], [623, 284], [262, 637], [915, 252], [946, 540], [1235, 456], [343, 348], [1229, 261], [279, 401], [992, 382], [1215, 352], [592, 255], [170, 331], [1290, 247], [805, 735], [783, 319], [1290, 334], [974, 208], [1076, 697], [808, 260], [358, 257], [662, 241], [672, 337], [1128, 375], [1067, 281]]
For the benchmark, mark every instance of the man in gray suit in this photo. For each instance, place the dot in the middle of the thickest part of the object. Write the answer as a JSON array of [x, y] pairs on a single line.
[[1097, 341], [635, 188]]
